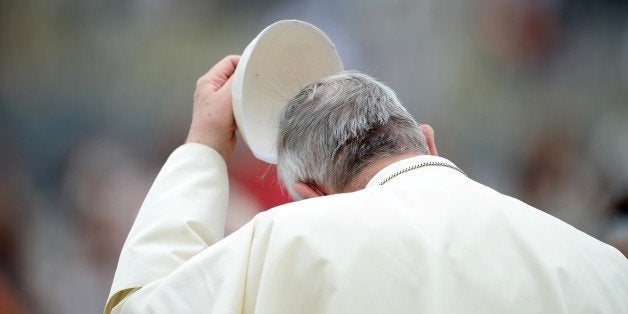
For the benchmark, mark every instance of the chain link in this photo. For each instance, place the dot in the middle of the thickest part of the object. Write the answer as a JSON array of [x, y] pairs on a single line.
[[423, 164]]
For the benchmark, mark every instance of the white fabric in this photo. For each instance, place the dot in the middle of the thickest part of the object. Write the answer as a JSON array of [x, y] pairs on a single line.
[[428, 241]]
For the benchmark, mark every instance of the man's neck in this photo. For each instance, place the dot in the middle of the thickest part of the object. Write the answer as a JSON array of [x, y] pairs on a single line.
[[363, 178]]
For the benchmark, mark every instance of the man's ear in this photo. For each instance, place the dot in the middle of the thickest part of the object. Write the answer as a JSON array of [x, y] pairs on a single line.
[[428, 132], [307, 191]]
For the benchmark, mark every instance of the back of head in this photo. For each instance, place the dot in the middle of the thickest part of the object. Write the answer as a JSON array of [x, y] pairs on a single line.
[[334, 128]]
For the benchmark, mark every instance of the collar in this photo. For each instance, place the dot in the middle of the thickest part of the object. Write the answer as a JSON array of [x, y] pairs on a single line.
[[410, 164]]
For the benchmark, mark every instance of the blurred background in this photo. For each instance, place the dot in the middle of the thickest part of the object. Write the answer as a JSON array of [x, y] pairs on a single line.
[[529, 97]]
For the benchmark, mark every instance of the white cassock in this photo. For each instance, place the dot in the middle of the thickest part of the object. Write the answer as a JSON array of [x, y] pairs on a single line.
[[429, 240]]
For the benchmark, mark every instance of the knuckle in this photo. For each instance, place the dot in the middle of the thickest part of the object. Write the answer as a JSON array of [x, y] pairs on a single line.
[[200, 81]]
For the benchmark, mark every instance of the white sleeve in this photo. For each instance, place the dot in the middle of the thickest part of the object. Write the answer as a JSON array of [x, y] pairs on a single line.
[[213, 281], [167, 248]]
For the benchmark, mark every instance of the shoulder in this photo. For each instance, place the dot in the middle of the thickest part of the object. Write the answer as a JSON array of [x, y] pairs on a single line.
[[317, 217], [324, 206]]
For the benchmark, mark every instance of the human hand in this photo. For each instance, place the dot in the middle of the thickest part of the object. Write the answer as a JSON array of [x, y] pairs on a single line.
[[213, 123]]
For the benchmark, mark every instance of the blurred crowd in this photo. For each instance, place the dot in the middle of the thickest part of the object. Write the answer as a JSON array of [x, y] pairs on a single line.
[[529, 97]]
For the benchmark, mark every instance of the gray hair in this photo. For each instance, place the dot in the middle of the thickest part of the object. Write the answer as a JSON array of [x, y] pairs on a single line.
[[334, 128]]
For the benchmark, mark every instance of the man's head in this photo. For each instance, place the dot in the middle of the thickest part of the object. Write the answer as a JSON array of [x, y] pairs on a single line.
[[332, 131]]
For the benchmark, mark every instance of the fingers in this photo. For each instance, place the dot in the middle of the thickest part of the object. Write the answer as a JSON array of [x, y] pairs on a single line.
[[218, 75], [225, 89], [224, 92], [226, 66]]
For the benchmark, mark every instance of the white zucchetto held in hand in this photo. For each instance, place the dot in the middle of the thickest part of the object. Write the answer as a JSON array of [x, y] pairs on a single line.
[[283, 59]]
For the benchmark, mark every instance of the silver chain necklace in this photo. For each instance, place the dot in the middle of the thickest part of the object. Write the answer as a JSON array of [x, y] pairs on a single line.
[[419, 165]]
